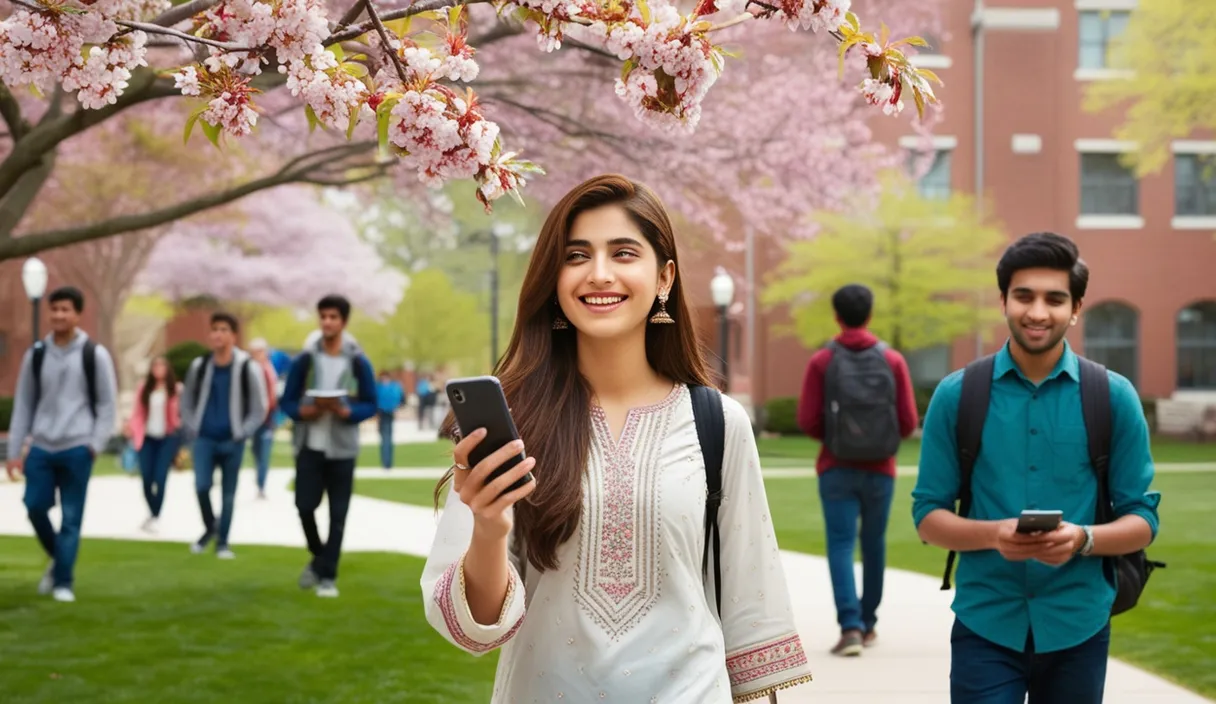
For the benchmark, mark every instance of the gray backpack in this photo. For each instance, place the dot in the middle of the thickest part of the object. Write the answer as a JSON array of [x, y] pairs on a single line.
[[860, 421]]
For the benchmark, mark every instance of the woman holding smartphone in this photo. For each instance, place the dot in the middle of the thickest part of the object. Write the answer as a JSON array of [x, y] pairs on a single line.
[[603, 550]]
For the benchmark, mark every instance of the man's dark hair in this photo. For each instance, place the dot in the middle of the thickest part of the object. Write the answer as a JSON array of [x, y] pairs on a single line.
[[67, 293], [223, 317], [1044, 250], [335, 302], [853, 304]]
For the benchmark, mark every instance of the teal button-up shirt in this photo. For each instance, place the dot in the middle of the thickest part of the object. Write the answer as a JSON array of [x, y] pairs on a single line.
[[1034, 455]]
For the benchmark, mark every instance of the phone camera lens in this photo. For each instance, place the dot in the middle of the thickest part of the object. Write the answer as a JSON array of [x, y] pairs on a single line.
[[457, 395]]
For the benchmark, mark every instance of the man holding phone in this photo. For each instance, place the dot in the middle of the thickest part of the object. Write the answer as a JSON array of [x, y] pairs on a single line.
[[1033, 608], [330, 390]]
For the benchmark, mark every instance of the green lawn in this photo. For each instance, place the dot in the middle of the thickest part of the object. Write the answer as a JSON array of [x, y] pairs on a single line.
[[1169, 632], [776, 453], [155, 623]]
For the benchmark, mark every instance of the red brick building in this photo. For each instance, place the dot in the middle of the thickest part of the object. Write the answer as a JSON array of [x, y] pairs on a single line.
[[1047, 164]]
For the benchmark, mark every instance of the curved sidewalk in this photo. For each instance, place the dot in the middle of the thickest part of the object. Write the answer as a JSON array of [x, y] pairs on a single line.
[[909, 665]]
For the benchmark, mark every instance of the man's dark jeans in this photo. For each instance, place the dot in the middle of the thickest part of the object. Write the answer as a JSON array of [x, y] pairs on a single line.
[[69, 472], [316, 476], [386, 438], [848, 495], [982, 672], [227, 455]]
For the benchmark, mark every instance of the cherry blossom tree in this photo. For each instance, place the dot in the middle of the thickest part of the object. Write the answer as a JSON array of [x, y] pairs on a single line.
[[285, 247], [390, 82]]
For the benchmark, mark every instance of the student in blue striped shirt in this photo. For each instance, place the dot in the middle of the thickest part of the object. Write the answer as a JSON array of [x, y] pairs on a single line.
[[1032, 611]]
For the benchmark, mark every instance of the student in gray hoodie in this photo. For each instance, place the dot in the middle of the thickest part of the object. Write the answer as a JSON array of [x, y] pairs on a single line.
[[223, 404], [326, 433], [68, 425]]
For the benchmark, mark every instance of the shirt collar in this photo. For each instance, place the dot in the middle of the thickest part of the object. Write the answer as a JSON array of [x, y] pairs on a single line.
[[1067, 364]]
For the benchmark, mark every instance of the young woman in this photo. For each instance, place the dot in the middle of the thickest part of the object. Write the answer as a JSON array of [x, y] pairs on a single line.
[[153, 431], [604, 549]]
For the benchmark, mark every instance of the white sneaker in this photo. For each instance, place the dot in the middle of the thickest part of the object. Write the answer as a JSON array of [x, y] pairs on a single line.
[[150, 525], [225, 554], [47, 583], [327, 589], [63, 594]]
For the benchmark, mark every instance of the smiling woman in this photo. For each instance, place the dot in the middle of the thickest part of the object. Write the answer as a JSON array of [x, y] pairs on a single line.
[[607, 555]]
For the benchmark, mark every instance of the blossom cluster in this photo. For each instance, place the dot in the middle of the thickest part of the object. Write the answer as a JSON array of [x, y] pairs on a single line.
[[44, 46]]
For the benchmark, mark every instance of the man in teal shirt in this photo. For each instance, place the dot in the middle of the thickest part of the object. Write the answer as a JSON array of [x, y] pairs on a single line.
[[1032, 611]]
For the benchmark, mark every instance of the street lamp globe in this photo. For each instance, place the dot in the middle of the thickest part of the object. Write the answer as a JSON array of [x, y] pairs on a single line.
[[33, 277], [722, 288]]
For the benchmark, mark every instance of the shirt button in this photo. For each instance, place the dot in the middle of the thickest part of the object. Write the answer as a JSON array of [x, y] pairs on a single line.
[[1034, 397], [1034, 431], [1034, 468]]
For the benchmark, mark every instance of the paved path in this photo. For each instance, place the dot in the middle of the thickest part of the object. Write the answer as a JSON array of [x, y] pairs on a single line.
[[910, 665]]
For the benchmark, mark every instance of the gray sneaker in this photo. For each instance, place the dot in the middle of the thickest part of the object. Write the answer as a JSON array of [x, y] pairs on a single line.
[[47, 583], [849, 644], [309, 578], [327, 588]]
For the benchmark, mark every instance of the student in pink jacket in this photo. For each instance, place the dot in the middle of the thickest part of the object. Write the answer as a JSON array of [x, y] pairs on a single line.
[[153, 432]]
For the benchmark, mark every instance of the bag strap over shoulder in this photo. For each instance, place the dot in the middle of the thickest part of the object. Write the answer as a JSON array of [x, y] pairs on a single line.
[[711, 432], [969, 432], [1095, 408]]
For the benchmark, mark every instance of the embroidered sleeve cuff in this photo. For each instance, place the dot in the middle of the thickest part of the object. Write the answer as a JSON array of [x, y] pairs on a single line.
[[761, 669], [466, 632]]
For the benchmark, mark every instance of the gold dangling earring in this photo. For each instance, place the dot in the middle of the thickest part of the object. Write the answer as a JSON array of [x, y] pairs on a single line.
[[661, 317], [559, 320]]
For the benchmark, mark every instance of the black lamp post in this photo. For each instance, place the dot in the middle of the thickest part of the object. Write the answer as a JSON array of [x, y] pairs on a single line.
[[497, 232], [33, 277], [722, 289]]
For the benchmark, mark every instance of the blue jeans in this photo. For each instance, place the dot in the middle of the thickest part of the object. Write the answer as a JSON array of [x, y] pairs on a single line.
[[155, 457], [69, 472], [982, 672], [848, 495], [209, 454], [386, 439], [261, 445]]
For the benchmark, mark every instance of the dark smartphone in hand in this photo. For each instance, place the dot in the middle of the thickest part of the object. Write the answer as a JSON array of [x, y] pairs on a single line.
[[478, 402], [1039, 521]]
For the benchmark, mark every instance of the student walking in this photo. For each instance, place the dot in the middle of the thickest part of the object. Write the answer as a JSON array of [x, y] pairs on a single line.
[[389, 397], [1032, 610], [331, 389], [629, 599], [223, 404], [153, 430], [262, 443], [65, 406], [857, 399]]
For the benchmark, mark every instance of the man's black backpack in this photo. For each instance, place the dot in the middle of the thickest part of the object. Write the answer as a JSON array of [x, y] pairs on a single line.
[[88, 356], [198, 383], [860, 420], [1129, 573]]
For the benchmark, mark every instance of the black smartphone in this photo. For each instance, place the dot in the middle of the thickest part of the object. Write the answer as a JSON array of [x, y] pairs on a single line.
[[478, 402], [1035, 521]]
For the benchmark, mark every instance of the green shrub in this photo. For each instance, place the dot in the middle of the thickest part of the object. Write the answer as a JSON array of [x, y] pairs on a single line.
[[781, 416], [181, 355], [6, 413]]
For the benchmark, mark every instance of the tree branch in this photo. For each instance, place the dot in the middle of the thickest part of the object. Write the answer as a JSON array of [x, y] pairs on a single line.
[[157, 29], [10, 110], [351, 15], [385, 43], [17, 201], [173, 15], [417, 8], [39, 241]]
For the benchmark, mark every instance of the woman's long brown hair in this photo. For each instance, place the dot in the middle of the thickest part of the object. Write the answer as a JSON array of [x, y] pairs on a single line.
[[549, 399], [150, 382]]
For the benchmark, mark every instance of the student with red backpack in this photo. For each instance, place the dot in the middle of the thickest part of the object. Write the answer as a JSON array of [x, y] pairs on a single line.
[[857, 399]]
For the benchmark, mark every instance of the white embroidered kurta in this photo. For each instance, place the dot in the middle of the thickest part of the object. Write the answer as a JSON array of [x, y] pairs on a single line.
[[628, 616]]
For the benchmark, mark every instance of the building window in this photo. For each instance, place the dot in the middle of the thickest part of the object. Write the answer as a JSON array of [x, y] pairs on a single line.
[[934, 183], [928, 365], [1197, 346], [1107, 186], [1099, 30], [1195, 184], [1112, 338]]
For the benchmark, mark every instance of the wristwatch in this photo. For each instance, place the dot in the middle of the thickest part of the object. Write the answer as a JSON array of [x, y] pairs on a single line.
[[1088, 547]]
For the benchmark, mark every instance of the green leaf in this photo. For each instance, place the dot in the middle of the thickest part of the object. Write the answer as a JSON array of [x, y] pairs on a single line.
[[313, 122], [626, 69], [645, 10], [354, 121], [336, 50], [212, 132], [356, 70], [190, 127], [383, 115]]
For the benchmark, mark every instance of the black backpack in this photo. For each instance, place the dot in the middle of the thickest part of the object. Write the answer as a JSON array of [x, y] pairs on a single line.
[[198, 383], [860, 420], [88, 356], [1129, 573]]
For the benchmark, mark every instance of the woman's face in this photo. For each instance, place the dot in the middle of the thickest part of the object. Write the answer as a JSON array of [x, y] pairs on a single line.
[[611, 274], [159, 368]]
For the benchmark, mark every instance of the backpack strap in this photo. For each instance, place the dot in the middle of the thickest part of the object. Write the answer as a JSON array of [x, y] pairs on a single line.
[[1095, 408], [969, 432], [203, 361], [711, 433], [39, 354], [89, 357], [245, 389]]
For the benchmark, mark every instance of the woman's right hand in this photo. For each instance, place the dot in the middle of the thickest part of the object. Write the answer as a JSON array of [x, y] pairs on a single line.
[[490, 519]]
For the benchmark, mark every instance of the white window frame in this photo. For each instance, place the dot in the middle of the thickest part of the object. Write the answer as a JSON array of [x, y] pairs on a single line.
[[1192, 147], [1105, 222], [1103, 74]]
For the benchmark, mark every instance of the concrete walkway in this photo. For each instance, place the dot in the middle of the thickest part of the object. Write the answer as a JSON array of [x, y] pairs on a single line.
[[910, 665]]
